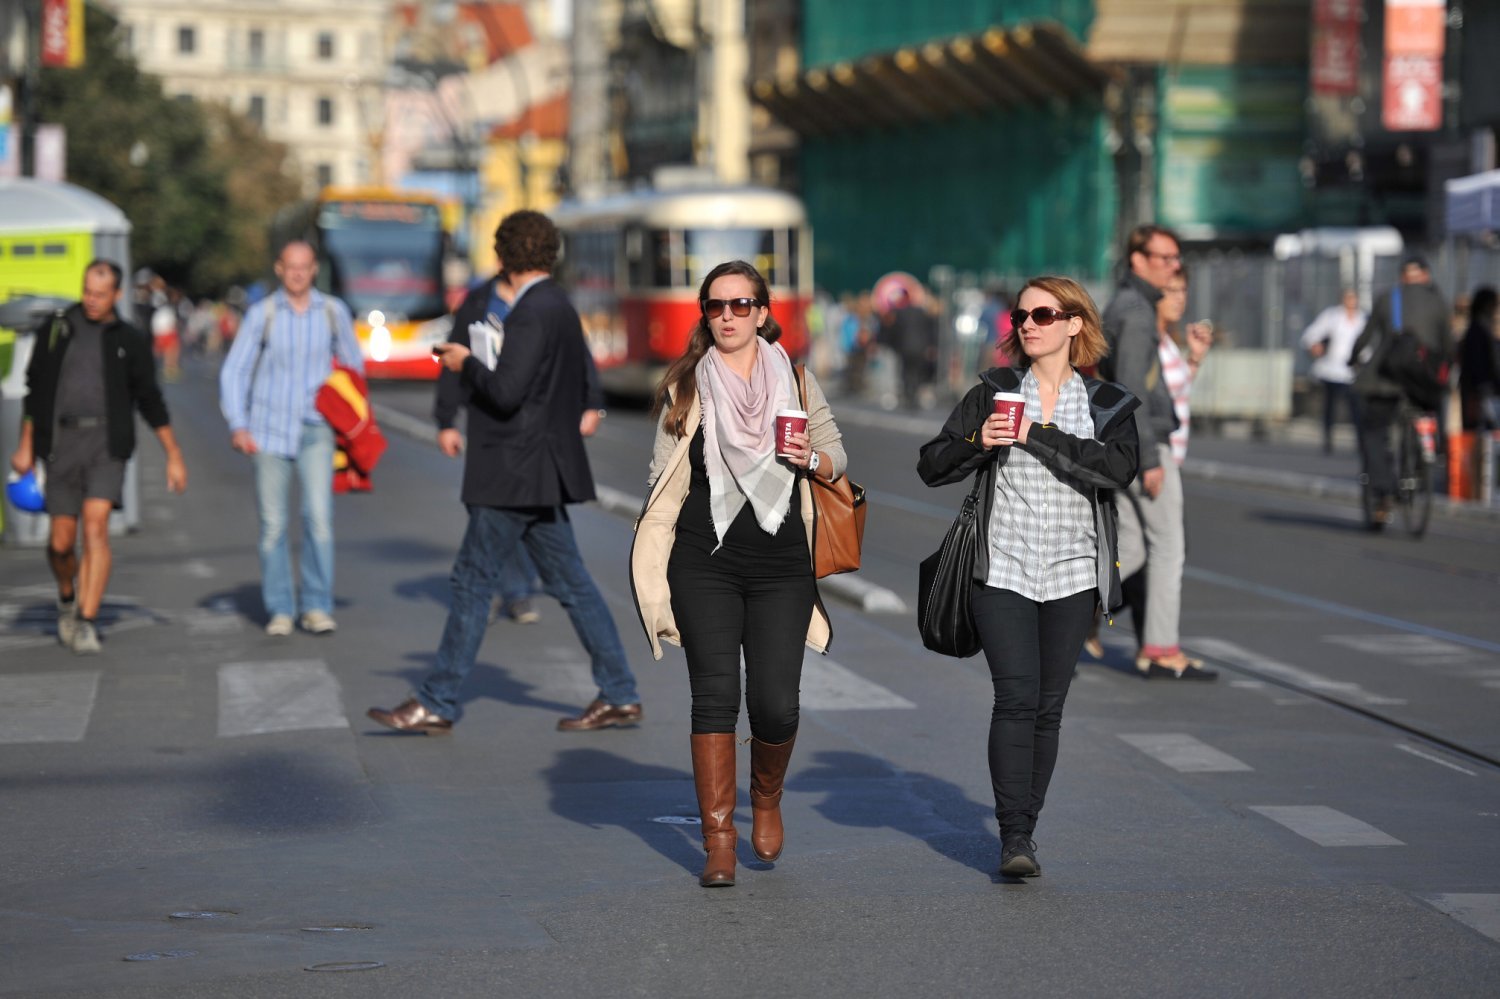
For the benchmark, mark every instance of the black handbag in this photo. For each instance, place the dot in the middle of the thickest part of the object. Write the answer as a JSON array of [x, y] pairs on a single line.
[[945, 580]]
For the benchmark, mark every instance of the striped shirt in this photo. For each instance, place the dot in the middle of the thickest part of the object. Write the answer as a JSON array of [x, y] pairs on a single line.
[[1042, 536], [272, 391], [1179, 378]]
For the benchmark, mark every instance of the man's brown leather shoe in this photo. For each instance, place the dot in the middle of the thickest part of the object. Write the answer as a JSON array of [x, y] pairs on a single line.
[[601, 714], [411, 716]]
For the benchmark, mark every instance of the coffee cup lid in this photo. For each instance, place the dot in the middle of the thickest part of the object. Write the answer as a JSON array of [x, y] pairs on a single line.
[[792, 412], [1010, 395]]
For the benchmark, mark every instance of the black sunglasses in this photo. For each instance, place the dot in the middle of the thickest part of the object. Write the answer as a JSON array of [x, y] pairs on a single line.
[[714, 307], [1042, 315]]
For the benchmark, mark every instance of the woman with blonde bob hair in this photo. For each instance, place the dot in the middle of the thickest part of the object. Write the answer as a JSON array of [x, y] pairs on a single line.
[[1046, 557]]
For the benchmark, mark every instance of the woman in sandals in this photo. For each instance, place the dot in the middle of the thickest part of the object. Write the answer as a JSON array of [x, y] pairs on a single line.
[[722, 559], [1046, 557]]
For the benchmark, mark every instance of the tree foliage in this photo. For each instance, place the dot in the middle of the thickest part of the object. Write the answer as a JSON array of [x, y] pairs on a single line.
[[198, 183]]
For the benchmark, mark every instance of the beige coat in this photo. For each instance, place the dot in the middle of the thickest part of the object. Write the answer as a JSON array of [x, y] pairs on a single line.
[[656, 528]]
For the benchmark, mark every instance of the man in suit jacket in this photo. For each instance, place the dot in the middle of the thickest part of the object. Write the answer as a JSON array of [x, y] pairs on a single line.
[[524, 463]]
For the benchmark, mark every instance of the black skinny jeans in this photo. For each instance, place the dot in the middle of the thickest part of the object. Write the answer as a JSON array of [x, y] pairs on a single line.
[[1031, 648], [729, 601]]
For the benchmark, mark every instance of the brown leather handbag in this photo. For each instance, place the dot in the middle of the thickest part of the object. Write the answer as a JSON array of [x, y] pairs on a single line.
[[838, 515]]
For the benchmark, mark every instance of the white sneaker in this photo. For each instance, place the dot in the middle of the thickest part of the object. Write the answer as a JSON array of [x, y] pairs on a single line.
[[280, 625], [319, 623], [85, 638], [67, 621]]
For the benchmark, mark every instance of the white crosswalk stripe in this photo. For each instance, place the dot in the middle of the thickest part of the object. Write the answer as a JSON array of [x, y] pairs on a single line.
[[278, 696], [1184, 753], [1480, 912], [830, 686], [46, 707], [1326, 826]]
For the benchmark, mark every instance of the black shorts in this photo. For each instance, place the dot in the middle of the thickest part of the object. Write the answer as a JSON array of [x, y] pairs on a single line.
[[82, 468]]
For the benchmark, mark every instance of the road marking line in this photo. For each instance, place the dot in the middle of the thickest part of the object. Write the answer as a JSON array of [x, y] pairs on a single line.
[[46, 707], [1413, 750], [1326, 826], [1184, 753], [285, 696], [829, 686], [1217, 648], [1479, 912]]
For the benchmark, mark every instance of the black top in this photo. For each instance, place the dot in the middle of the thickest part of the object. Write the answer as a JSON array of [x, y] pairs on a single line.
[[80, 383], [695, 523]]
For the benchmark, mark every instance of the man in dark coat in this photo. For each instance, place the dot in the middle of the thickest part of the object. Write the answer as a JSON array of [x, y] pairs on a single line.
[[89, 370], [525, 462]]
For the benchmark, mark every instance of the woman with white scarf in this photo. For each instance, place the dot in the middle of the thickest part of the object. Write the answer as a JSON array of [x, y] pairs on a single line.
[[722, 559]]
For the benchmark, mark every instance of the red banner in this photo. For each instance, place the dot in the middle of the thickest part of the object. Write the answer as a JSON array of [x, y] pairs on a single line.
[[1415, 27], [62, 33], [1335, 59], [1413, 97], [1337, 11]]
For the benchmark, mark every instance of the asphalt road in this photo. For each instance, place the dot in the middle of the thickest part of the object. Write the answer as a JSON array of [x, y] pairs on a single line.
[[1324, 819]]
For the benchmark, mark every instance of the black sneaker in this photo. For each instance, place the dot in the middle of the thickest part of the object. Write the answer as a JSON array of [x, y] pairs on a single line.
[[1018, 857]]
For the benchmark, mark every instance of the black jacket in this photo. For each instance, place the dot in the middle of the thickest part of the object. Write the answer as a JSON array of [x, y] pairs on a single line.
[[129, 380], [453, 394], [1134, 361], [524, 448], [1107, 463], [1423, 312]]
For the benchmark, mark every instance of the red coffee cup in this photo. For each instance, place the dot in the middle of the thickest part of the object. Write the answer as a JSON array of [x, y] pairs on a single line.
[[1012, 404], [788, 422]]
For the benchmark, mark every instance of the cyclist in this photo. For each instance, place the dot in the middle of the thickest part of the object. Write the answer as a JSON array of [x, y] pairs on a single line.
[[1414, 306]]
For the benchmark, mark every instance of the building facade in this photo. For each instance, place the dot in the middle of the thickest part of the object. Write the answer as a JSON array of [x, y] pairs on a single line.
[[310, 72]]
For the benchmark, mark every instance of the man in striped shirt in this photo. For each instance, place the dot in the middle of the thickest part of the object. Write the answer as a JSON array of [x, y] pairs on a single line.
[[267, 391]]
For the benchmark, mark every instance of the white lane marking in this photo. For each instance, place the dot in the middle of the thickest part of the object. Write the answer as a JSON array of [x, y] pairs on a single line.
[[1248, 684], [46, 707], [1326, 826], [1217, 648], [1413, 750], [829, 686], [1418, 648], [197, 568], [1184, 753], [281, 696], [203, 621], [1480, 912]]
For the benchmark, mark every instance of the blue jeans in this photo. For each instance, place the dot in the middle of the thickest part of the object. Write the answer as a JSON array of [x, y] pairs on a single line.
[[313, 465], [516, 576], [492, 537]]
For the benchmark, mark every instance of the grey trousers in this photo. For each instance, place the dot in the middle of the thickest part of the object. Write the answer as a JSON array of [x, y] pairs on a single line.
[[1151, 535]]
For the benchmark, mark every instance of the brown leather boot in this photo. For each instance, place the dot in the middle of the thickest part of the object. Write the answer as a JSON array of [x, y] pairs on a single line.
[[713, 775], [768, 765]]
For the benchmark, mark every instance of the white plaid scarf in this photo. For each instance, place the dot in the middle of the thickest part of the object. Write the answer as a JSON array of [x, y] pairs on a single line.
[[739, 437]]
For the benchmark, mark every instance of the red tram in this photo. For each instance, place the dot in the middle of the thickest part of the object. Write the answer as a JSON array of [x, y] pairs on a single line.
[[633, 263]]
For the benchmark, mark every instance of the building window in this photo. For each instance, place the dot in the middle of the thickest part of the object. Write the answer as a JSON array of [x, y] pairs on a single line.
[[325, 174], [325, 111], [325, 45], [256, 110], [256, 47], [187, 40]]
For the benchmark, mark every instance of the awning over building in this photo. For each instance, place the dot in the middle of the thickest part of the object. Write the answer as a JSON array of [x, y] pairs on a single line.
[[1034, 65], [1200, 32]]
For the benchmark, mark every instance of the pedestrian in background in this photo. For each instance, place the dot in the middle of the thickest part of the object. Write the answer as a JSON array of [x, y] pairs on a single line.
[[910, 331], [526, 462], [722, 560], [1151, 509], [1479, 364], [1047, 528], [1415, 306], [268, 388], [1329, 339], [88, 370]]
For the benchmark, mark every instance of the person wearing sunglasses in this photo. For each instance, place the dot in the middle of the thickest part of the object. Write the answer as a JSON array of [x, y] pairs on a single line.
[[1046, 526], [722, 558]]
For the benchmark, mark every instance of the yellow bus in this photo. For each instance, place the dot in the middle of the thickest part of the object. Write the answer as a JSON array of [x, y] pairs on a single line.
[[382, 252]]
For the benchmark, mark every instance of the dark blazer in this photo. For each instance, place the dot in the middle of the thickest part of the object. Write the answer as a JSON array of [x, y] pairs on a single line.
[[524, 448], [129, 381], [1423, 312]]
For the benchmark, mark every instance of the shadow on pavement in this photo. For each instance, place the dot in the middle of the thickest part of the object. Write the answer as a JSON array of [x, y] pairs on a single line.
[[1344, 524], [596, 788], [866, 791], [485, 681], [433, 588]]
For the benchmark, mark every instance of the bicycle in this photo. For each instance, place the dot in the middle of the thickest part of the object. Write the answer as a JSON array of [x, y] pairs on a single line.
[[1416, 461]]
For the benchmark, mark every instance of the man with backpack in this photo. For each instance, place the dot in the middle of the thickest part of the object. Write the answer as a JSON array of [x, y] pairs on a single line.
[[1402, 354]]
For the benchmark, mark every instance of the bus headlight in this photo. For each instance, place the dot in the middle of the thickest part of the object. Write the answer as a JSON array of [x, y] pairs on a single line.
[[380, 343], [435, 330], [377, 318]]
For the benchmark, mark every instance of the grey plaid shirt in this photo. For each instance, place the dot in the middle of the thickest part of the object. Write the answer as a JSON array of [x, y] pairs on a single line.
[[1043, 543]]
